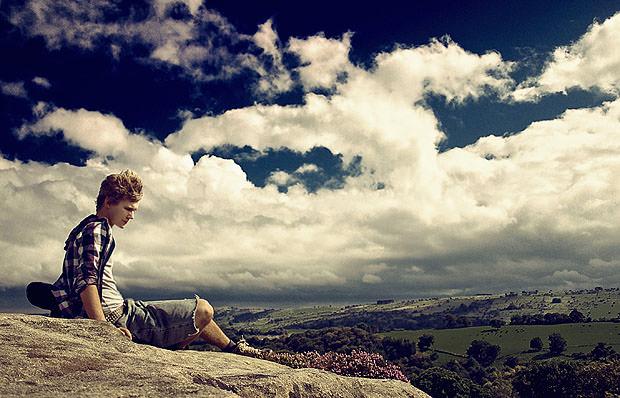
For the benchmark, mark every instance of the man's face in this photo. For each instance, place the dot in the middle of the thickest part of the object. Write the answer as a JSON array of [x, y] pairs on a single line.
[[120, 213]]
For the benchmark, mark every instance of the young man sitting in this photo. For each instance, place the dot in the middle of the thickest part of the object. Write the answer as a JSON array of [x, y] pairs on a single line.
[[86, 287]]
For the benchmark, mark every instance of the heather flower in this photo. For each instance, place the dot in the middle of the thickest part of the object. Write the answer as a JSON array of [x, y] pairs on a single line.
[[357, 363]]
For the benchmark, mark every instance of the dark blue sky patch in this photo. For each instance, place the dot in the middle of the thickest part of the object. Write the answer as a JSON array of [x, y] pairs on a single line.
[[330, 174], [46, 149], [464, 125]]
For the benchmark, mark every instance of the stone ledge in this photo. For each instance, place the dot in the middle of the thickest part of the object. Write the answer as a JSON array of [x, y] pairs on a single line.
[[44, 356]]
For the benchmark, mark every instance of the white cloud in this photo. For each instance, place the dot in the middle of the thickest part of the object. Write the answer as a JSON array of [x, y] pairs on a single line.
[[64, 22], [570, 277], [13, 89], [600, 263], [491, 201], [535, 209], [371, 279], [104, 134], [281, 179], [322, 59], [371, 114], [307, 168], [277, 79], [267, 39], [590, 62], [455, 73], [41, 81], [193, 43]]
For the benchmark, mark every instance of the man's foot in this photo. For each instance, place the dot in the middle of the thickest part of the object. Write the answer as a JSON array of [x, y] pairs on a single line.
[[243, 348]]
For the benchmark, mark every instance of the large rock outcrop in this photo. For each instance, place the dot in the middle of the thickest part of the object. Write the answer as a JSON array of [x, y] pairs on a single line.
[[42, 356]]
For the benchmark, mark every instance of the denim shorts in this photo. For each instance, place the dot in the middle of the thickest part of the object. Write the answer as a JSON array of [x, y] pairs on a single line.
[[160, 323]]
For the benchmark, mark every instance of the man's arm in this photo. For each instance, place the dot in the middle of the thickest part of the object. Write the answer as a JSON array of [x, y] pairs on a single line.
[[92, 303], [87, 278], [92, 306]]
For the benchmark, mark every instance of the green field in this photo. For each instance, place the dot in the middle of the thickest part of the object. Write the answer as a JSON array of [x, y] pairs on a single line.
[[515, 339]]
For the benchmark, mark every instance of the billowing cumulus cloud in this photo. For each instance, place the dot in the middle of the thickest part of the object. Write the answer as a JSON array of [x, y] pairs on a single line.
[[323, 60], [104, 134], [455, 73], [375, 113], [590, 62], [534, 209]]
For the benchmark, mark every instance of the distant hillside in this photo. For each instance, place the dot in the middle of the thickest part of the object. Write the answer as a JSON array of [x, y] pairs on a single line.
[[480, 310]]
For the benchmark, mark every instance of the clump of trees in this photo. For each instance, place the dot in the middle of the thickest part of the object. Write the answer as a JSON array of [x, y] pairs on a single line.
[[483, 352], [551, 318], [603, 351], [425, 342], [440, 383], [536, 344], [557, 344], [341, 340], [568, 379], [377, 321], [394, 349]]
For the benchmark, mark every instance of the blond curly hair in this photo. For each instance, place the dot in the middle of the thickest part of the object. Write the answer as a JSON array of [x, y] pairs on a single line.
[[116, 187]]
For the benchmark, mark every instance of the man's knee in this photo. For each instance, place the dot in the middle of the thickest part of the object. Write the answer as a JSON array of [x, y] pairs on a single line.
[[204, 313]]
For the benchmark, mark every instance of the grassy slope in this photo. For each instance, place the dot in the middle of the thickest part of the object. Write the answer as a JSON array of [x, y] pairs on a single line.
[[595, 305], [515, 340]]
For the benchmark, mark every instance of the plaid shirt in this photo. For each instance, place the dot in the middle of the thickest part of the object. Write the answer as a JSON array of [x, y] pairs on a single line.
[[87, 251]]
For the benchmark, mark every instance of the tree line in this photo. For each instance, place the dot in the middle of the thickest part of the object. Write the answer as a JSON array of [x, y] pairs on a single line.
[[550, 318]]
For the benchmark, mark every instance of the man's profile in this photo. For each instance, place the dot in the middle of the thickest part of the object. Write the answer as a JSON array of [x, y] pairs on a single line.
[[86, 286]]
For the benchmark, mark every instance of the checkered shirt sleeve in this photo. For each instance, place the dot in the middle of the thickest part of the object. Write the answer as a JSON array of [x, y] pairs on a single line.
[[88, 247], [80, 267]]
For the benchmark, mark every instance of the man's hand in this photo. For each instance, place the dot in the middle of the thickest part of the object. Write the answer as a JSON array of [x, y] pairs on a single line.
[[125, 331]]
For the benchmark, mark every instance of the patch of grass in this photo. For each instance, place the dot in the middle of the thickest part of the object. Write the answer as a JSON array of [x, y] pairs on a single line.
[[515, 339]]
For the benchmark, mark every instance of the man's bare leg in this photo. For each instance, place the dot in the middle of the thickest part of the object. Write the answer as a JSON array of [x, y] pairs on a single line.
[[209, 330], [212, 334]]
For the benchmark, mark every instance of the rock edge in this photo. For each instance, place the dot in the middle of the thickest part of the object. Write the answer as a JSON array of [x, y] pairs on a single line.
[[44, 356]]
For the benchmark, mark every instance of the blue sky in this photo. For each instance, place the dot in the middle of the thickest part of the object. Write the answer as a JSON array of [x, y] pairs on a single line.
[[319, 153]]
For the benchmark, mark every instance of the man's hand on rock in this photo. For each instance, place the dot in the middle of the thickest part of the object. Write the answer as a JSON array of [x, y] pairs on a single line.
[[125, 331]]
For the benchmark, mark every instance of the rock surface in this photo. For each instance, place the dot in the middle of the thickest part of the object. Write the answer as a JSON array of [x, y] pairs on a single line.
[[42, 356]]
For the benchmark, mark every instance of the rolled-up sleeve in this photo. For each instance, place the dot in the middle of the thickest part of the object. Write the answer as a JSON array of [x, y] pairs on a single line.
[[89, 249]]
